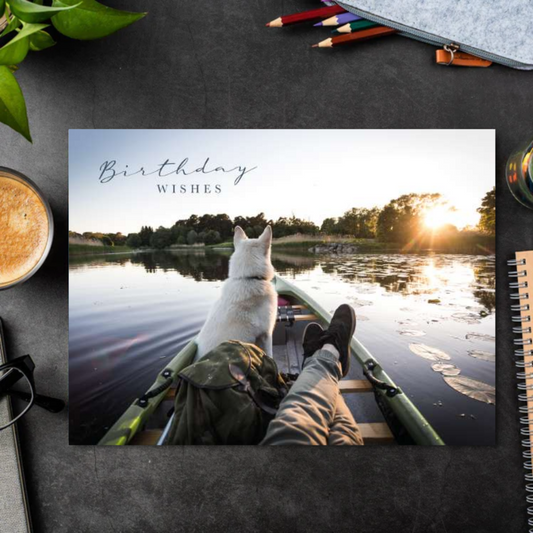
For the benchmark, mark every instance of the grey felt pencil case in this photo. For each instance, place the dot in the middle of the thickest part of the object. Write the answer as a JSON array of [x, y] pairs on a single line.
[[497, 30]]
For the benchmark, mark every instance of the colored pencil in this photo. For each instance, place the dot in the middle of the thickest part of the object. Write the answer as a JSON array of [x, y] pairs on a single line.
[[355, 26], [306, 16], [363, 35], [343, 18]]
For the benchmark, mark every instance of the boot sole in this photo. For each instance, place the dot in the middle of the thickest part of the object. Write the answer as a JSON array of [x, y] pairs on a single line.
[[349, 354], [311, 324]]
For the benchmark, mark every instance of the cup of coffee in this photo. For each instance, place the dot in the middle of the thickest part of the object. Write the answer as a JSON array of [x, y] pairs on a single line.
[[26, 228]]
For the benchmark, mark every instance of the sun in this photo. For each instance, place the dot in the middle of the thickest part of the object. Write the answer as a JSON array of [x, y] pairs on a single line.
[[437, 217]]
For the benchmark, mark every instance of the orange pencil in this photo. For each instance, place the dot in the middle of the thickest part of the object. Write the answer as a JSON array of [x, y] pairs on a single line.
[[364, 35]]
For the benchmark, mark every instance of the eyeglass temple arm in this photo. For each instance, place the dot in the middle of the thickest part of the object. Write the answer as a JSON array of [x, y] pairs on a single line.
[[54, 405], [9, 380]]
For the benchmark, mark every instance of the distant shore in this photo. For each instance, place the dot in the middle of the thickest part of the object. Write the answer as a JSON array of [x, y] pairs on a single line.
[[302, 243]]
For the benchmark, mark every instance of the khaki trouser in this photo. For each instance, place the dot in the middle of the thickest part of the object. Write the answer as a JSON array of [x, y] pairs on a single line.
[[314, 412]]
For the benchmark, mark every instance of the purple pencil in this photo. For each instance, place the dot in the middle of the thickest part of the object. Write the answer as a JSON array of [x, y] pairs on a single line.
[[343, 18]]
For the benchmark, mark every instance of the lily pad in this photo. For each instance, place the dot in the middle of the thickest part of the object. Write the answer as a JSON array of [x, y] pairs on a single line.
[[480, 337], [359, 303], [406, 322], [446, 369], [472, 388], [411, 332], [468, 318], [429, 353], [484, 356]]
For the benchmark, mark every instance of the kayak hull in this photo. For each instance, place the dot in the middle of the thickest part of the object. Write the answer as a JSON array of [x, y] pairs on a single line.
[[405, 412]]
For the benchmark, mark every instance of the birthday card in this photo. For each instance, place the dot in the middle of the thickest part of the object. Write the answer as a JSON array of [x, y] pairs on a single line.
[[282, 287]]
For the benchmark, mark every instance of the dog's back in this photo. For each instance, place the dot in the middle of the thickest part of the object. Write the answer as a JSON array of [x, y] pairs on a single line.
[[246, 310]]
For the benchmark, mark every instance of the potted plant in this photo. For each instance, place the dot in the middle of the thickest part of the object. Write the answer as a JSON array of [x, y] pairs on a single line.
[[24, 26]]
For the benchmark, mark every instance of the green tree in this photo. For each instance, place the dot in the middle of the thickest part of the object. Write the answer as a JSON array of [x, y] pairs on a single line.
[[401, 220], [192, 237], [178, 230], [487, 222], [212, 237], [359, 222], [329, 226], [224, 225], [118, 239], [133, 240], [145, 234], [161, 238], [250, 233]]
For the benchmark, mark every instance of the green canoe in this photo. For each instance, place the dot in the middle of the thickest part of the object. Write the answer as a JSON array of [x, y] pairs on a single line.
[[383, 411]]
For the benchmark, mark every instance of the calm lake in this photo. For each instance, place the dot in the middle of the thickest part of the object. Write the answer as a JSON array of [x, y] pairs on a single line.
[[130, 314]]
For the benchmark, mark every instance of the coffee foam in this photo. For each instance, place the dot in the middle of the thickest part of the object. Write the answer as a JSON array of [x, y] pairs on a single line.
[[24, 228]]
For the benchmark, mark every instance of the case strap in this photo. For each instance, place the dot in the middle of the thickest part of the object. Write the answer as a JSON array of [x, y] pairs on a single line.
[[460, 59]]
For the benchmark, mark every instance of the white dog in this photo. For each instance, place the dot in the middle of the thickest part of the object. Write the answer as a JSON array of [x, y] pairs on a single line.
[[247, 308]]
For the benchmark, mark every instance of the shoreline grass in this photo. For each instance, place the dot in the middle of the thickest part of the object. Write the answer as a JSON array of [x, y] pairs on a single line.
[[86, 249]]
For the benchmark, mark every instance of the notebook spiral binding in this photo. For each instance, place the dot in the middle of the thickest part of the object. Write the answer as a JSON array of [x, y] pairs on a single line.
[[522, 350]]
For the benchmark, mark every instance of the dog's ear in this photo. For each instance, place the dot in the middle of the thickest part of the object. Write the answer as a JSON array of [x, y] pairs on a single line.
[[239, 235], [266, 237]]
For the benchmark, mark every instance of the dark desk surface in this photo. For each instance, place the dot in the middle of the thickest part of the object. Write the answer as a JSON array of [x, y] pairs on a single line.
[[207, 64]]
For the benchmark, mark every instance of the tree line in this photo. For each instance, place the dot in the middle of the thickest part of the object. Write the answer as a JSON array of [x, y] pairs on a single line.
[[401, 221], [215, 229]]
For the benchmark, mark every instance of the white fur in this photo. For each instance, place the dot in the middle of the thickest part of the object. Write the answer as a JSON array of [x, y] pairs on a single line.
[[247, 308]]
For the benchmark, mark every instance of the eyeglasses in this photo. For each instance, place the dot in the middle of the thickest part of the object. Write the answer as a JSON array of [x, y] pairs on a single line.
[[17, 382]]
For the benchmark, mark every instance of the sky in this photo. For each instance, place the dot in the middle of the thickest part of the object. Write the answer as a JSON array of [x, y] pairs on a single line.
[[311, 174]]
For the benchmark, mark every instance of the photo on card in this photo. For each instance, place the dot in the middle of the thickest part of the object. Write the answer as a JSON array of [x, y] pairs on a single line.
[[303, 287]]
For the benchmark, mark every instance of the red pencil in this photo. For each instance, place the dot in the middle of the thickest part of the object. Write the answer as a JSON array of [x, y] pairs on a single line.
[[364, 35], [306, 16]]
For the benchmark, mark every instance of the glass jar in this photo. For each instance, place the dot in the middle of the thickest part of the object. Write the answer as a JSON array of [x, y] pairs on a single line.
[[519, 172]]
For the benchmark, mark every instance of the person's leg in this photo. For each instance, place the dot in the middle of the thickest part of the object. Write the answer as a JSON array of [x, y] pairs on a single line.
[[344, 429], [306, 413]]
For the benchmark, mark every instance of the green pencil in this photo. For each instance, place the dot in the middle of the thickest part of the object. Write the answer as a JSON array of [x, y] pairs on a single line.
[[355, 26]]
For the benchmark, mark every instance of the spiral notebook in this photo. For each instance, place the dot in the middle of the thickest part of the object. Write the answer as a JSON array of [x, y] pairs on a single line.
[[522, 312], [14, 512]]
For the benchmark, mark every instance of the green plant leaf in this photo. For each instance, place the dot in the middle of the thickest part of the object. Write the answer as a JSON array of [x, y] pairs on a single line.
[[40, 41], [31, 12], [12, 105], [14, 23], [15, 50], [2, 7], [91, 20]]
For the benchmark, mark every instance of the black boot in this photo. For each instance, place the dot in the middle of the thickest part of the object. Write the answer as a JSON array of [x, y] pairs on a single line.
[[340, 333], [311, 339]]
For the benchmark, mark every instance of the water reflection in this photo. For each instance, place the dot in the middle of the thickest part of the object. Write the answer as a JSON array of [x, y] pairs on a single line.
[[130, 313], [419, 274]]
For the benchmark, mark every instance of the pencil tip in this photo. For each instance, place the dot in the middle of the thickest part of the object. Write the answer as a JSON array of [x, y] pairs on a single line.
[[267, 24], [318, 24], [314, 46]]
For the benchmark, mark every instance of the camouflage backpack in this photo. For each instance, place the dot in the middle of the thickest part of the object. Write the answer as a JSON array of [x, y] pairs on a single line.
[[227, 397]]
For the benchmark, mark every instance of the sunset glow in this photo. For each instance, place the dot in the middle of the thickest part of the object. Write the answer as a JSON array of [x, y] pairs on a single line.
[[437, 217]]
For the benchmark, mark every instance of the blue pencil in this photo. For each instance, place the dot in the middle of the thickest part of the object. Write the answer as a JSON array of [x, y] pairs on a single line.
[[343, 18]]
